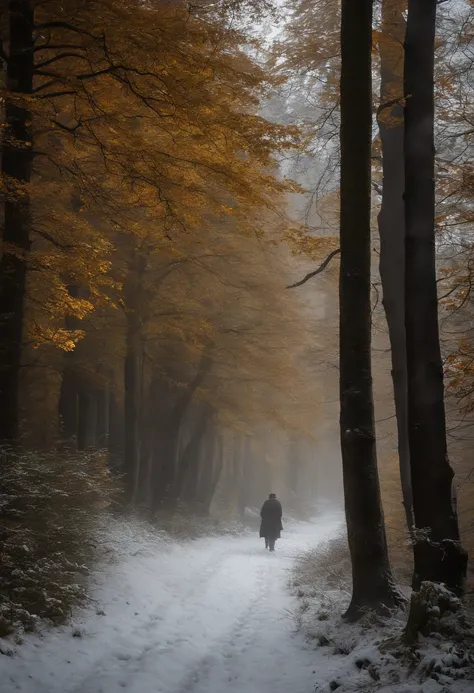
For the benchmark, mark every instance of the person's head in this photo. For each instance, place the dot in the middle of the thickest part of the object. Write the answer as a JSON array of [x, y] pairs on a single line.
[[272, 495]]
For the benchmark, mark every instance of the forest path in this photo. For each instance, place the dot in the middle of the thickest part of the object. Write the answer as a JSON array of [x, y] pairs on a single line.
[[206, 616]]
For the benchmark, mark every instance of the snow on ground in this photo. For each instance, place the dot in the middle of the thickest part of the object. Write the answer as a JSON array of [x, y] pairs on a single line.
[[204, 616], [369, 656]]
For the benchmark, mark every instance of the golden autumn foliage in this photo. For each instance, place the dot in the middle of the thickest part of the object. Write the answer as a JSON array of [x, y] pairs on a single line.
[[155, 200], [147, 131]]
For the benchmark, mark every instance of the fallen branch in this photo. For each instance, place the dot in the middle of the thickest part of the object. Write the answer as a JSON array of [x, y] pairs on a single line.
[[321, 267]]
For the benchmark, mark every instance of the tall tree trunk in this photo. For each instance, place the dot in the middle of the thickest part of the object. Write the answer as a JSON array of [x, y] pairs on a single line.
[[116, 436], [16, 174], [68, 405], [133, 372], [243, 481], [87, 419], [437, 550], [190, 484], [132, 389], [235, 477], [151, 413], [103, 413], [373, 585], [391, 222], [164, 458], [212, 468], [293, 464], [217, 467], [189, 455]]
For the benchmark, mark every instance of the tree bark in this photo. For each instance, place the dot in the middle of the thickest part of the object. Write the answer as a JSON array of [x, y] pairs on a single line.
[[235, 480], [16, 174], [116, 437], [242, 491], [217, 467], [293, 464], [190, 483], [373, 585], [164, 458], [87, 420], [391, 222], [133, 372], [189, 455], [68, 406], [212, 469], [438, 554], [103, 413], [132, 389]]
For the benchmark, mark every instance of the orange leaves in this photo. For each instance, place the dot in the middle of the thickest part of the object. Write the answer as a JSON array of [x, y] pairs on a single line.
[[301, 242], [154, 184], [66, 340]]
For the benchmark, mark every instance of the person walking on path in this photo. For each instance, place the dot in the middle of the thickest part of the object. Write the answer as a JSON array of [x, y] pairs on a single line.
[[271, 526]]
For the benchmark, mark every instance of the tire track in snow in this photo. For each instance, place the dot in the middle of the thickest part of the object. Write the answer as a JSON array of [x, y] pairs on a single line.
[[246, 628], [180, 647]]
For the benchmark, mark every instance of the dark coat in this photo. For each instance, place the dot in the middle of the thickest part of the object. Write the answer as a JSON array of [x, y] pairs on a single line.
[[271, 513]]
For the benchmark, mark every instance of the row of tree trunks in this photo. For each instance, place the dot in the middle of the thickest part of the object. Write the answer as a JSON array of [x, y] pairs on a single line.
[[175, 453], [212, 465], [85, 413], [163, 456], [187, 463]]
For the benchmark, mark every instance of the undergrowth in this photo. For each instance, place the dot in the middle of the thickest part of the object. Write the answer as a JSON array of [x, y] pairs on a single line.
[[373, 654], [50, 504]]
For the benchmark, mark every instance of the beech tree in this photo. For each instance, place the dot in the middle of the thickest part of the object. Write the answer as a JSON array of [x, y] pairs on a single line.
[[153, 318], [391, 221], [373, 586], [438, 554], [101, 135], [16, 164]]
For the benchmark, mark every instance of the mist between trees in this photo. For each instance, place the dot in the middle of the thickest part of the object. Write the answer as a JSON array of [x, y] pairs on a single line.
[[147, 343], [162, 184]]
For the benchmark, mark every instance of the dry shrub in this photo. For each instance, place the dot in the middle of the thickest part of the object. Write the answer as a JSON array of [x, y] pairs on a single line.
[[50, 505], [319, 571], [322, 582]]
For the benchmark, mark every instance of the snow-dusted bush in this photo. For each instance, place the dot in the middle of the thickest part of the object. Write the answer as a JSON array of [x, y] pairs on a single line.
[[49, 507], [380, 654], [434, 610]]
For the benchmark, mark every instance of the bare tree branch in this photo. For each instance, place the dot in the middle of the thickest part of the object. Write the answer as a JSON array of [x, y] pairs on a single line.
[[321, 267]]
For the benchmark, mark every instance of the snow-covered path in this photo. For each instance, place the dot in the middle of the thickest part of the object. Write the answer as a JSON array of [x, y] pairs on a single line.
[[207, 616]]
